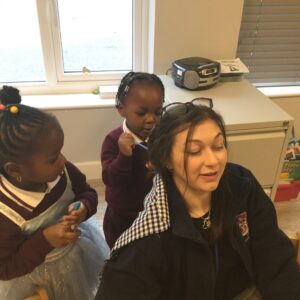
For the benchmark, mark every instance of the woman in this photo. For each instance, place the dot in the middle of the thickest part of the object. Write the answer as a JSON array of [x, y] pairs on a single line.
[[208, 230]]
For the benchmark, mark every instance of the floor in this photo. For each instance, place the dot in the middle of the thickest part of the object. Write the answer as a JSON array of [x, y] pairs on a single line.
[[98, 186], [288, 212]]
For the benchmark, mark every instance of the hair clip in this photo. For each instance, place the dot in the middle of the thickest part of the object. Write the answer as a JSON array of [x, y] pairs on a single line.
[[126, 89], [14, 109], [2, 107]]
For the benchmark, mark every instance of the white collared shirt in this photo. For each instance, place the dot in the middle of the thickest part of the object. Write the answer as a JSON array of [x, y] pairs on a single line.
[[136, 138]]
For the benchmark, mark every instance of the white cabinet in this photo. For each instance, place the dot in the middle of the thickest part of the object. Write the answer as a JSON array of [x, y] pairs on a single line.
[[258, 130]]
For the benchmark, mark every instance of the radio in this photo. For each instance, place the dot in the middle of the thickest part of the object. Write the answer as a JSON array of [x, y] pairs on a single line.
[[195, 73]]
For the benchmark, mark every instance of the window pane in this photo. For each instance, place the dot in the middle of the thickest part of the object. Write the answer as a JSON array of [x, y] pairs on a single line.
[[20, 51], [96, 34]]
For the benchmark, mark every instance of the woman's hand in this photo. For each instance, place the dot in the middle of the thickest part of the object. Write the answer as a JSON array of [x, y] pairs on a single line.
[[59, 235], [75, 216]]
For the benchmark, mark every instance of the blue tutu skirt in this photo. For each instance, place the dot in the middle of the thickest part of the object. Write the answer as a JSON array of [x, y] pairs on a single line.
[[69, 273]]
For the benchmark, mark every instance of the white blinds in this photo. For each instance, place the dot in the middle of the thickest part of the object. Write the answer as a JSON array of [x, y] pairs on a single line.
[[269, 41]]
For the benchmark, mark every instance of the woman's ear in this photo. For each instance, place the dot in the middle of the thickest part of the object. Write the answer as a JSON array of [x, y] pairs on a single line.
[[12, 169], [169, 166]]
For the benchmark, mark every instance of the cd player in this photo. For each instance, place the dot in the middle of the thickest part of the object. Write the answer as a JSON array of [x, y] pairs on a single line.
[[195, 73]]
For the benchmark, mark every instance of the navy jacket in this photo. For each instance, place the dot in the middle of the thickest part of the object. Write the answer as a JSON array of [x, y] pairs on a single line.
[[176, 264]]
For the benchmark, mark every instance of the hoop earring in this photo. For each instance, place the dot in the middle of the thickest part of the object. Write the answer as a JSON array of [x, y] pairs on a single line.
[[169, 169], [19, 178]]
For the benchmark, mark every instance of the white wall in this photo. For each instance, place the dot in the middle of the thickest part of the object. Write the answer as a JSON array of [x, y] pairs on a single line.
[[182, 28], [292, 106], [207, 28], [84, 131]]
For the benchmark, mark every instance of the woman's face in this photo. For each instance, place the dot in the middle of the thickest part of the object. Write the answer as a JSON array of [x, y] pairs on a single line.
[[205, 155]]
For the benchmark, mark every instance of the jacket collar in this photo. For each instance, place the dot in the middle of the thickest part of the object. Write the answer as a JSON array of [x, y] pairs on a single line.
[[136, 138], [153, 219], [158, 210]]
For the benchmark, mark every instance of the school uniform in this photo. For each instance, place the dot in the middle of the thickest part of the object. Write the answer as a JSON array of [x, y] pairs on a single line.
[[165, 254], [127, 182], [28, 260]]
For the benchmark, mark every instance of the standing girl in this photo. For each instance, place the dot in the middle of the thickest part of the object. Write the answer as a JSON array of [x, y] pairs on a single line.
[[45, 239], [124, 153]]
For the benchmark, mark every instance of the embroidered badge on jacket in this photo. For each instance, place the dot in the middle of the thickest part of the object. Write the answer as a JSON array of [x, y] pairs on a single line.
[[242, 223]]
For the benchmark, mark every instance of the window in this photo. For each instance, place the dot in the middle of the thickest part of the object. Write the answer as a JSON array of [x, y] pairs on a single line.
[[20, 51], [70, 45], [95, 35], [269, 42]]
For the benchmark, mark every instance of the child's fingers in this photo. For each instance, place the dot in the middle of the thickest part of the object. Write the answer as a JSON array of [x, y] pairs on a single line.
[[74, 206], [70, 220], [72, 235]]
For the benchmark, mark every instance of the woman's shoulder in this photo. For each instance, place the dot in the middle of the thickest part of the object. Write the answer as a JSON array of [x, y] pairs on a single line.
[[239, 176], [245, 188], [154, 247], [242, 182], [238, 171]]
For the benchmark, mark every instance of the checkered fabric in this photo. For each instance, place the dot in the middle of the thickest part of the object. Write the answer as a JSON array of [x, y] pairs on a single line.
[[153, 219]]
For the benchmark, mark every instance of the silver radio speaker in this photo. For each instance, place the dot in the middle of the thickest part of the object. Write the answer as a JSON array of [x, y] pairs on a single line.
[[195, 73]]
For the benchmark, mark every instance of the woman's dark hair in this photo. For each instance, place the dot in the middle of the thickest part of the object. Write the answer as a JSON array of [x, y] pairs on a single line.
[[132, 78], [10, 95], [174, 120], [22, 128]]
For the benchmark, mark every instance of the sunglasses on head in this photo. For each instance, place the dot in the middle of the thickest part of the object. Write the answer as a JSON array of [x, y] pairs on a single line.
[[179, 108]]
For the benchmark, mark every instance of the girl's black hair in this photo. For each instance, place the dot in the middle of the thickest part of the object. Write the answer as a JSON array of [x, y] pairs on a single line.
[[9, 95], [21, 129], [160, 146], [132, 78]]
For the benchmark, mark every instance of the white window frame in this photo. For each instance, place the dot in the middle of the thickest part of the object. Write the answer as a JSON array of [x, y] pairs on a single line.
[[56, 80]]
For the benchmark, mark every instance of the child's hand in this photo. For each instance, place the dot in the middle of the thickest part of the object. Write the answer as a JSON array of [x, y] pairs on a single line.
[[126, 143], [59, 235], [76, 215]]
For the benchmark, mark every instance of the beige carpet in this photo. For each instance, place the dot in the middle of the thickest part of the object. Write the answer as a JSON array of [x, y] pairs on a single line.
[[99, 187]]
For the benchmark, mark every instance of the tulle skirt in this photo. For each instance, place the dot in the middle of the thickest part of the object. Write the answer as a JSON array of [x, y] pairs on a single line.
[[69, 273]]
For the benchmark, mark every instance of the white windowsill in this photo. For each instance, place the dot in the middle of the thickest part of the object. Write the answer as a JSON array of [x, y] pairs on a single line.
[[67, 101], [281, 91], [87, 101]]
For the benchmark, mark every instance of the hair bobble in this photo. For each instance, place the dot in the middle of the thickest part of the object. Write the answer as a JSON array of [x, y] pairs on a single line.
[[13, 109]]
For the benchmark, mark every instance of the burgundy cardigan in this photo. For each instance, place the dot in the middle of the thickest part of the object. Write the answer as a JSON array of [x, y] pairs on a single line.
[[127, 182], [19, 254]]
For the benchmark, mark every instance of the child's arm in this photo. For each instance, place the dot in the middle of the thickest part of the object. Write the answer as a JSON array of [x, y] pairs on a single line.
[[116, 166], [20, 255], [83, 192]]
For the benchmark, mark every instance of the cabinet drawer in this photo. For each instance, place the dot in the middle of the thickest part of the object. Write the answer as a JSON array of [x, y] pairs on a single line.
[[259, 152]]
